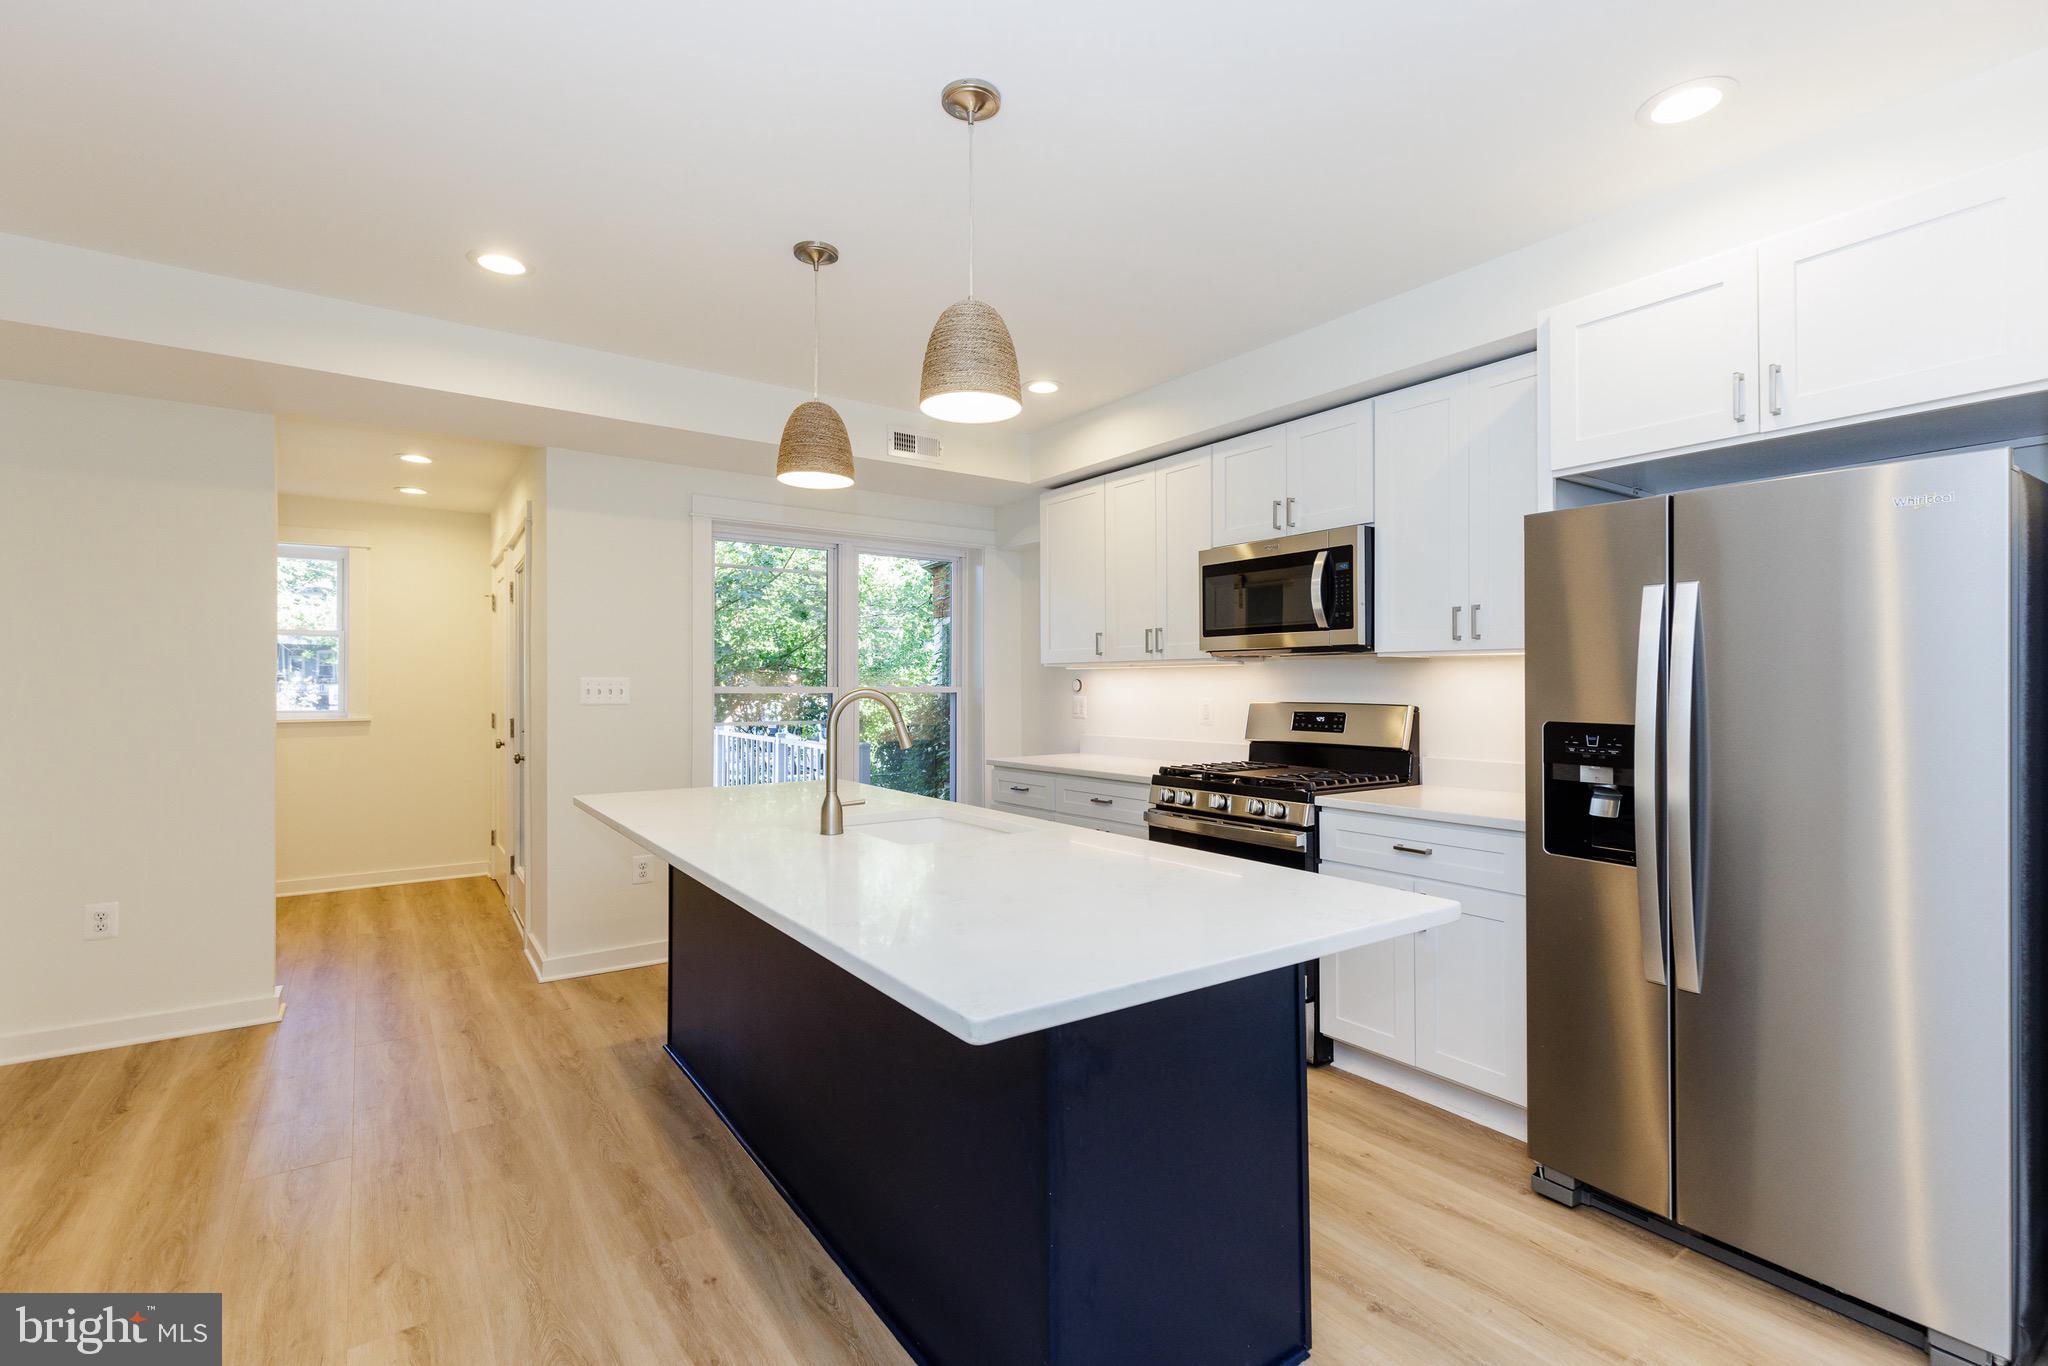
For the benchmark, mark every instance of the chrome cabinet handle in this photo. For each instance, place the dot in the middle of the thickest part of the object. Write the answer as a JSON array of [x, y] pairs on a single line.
[[1649, 885], [1684, 785], [1159, 635], [1454, 623], [1475, 621], [1741, 408], [1020, 787], [1098, 642], [1777, 381], [1413, 849], [1103, 801], [1290, 512], [1276, 514]]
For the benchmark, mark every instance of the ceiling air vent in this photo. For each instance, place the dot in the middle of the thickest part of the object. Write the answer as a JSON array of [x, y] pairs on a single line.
[[914, 445]]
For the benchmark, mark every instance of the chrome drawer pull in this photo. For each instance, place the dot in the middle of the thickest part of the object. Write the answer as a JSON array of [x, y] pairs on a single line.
[[1019, 787], [1103, 801], [1413, 849]]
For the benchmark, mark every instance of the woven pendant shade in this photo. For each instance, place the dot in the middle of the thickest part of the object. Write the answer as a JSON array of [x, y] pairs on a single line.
[[970, 367], [815, 452]]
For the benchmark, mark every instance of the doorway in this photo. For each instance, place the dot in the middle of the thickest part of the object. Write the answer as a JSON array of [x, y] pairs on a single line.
[[508, 725]]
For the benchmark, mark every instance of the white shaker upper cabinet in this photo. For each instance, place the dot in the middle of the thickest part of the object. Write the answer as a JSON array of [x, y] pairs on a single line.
[[1329, 469], [1250, 477], [1131, 583], [1184, 511], [1071, 568], [1503, 453], [1665, 362], [1934, 296], [1421, 546]]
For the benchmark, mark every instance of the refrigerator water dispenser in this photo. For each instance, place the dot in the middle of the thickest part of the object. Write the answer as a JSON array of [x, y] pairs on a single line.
[[1589, 804]]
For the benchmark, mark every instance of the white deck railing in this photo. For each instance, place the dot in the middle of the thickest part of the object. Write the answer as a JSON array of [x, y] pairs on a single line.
[[741, 757]]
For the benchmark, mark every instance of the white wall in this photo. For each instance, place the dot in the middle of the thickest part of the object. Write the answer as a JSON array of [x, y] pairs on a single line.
[[1974, 122], [404, 795], [136, 548], [616, 592]]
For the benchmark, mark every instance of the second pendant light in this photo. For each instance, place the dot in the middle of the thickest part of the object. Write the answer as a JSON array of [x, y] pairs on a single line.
[[970, 364], [815, 453]]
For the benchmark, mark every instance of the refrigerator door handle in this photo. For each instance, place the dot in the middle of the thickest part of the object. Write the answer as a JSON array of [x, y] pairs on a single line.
[[1649, 891], [1685, 788]]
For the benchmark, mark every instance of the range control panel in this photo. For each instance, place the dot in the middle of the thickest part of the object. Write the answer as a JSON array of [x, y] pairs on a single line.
[[1323, 722]]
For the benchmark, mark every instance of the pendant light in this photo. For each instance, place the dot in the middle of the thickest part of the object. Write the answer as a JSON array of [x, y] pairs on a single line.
[[970, 365], [815, 452]]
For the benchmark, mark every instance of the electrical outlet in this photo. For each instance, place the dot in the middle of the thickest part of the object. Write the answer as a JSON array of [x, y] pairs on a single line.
[[643, 868], [103, 920], [607, 692]]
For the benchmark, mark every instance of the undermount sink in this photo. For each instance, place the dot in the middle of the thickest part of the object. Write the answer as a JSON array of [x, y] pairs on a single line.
[[917, 827]]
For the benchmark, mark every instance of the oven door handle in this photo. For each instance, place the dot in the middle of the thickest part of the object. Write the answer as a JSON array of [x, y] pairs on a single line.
[[1315, 590], [1224, 830]]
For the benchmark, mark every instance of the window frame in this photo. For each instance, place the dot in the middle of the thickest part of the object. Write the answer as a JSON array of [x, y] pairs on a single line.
[[344, 643], [842, 670]]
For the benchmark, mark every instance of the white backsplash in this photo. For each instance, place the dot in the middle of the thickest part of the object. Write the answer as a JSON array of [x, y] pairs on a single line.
[[1471, 709]]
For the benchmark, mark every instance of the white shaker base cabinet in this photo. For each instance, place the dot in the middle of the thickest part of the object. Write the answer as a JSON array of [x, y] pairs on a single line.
[[1094, 803], [1449, 1002]]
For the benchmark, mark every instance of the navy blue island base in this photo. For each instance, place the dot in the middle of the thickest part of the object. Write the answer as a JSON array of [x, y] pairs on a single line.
[[1127, 1189]]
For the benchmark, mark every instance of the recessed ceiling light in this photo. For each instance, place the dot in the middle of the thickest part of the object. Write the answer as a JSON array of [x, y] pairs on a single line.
[[415, 458], [415, 492], [1044, 386], [498, 263], [1683, 103]]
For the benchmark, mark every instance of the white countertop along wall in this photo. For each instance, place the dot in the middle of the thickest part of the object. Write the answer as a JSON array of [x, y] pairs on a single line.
[[1500, 810], [1007, 925]]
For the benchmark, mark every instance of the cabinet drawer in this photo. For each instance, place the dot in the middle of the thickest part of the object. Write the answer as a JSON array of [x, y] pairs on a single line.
[[1020, 787], [1110, 803], [1472, 856]]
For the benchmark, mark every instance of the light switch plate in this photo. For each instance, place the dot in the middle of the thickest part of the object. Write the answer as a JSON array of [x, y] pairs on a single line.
[[607, 692]]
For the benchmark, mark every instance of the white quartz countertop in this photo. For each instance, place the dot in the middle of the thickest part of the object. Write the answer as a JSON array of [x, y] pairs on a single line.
[[1435, 802], [1121, 768], [991, 925]]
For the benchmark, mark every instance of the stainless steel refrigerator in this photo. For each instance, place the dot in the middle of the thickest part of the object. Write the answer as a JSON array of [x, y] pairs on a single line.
[[1785, 873]]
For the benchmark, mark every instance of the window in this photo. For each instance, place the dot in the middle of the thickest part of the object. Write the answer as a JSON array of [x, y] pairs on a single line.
[[312, 630], [794, 624]]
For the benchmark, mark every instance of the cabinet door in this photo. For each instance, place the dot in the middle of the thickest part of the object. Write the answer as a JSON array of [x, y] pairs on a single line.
[[1251, 487], [1070, 570], [1934, 296], [1470, 994], [1369, 993], [1185, 509], [1665, 362], [1423, 478], [1501, 442], [1329, 469], [1130, 516]]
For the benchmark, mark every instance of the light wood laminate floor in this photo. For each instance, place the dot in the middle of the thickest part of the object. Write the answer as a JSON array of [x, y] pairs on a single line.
[[436, 1159]]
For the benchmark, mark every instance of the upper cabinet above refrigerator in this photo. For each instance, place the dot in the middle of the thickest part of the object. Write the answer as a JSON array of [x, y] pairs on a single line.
[[1930, 300]]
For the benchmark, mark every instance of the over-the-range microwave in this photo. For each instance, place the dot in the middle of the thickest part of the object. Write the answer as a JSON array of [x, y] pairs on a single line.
[[1305, 594]]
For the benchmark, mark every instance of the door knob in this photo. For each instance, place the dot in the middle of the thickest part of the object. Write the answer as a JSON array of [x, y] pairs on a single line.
[[519, 758], [497, 744]]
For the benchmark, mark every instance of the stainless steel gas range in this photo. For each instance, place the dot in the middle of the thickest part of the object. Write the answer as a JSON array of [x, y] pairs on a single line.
[[1264, 807]]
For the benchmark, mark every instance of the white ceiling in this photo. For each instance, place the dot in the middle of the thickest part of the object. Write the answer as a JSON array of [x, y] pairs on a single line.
[[343, 460], [1170, 182]]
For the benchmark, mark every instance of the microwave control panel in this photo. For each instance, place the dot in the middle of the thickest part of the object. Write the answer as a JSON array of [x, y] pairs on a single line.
[[1337, 601]]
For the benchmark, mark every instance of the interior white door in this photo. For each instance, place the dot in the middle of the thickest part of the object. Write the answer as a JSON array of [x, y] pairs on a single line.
[[1368, 994], [1501, 447], [1250, 474], [501, 771], [1933, 296], [1423, 475], [1329, 469], [1070, 575], [1470, 993], [1131, 556], [518, 676], [1185, 508], [1661, 363]]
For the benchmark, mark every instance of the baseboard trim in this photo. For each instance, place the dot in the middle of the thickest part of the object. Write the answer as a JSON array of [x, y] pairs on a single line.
[[1489, 1111], [125, 1030], [595, 961], [387, 877]]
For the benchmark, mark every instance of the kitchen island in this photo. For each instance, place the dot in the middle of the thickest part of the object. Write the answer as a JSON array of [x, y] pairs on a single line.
[[1037, 1089]]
